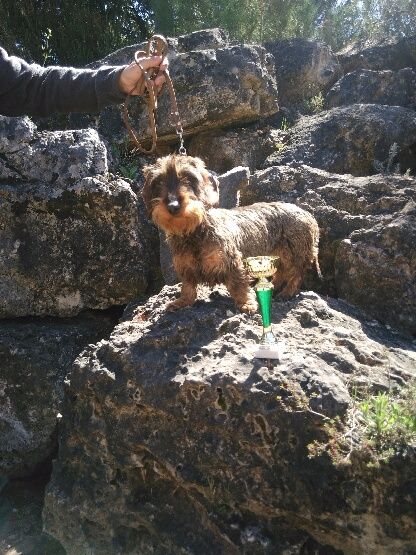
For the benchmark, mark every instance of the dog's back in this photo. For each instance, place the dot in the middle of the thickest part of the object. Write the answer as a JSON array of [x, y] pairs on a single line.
[[262, 228]]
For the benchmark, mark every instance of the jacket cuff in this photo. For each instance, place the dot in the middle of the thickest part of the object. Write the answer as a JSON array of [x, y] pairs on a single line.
[[107, 86]]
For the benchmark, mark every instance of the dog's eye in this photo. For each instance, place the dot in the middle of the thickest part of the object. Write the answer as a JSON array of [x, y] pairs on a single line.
[[191, 181], [157, 187]]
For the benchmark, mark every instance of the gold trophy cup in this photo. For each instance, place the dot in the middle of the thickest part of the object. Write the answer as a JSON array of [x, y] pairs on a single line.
[[261, 268]]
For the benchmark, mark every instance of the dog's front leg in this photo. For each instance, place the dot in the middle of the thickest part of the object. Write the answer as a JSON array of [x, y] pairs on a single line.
[[184, 264], [187, 298], [238, 285]]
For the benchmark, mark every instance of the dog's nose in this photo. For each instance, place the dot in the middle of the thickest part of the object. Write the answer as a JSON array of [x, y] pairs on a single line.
[[173, 206]]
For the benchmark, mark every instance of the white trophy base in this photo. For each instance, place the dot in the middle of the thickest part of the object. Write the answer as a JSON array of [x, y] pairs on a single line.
[[270, 350]]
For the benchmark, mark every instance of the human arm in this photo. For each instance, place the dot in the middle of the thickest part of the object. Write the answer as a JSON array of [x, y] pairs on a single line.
[[30, 89]]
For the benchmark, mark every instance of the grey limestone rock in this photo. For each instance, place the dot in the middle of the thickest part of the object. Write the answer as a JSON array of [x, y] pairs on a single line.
[[203, 40], [392, 53], [365, 86], [14, 132], [71, 246], [351, 139], [174, 439], [223, 150], [376, 269], [57, 156], [35, 356], [71, 236], [230, 185], [304, 68]]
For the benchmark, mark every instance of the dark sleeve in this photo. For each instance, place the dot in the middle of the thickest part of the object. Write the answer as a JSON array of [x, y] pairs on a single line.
[[30, 89]]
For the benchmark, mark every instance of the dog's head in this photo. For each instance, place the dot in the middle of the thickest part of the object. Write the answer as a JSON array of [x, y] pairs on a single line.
[[177, 192]]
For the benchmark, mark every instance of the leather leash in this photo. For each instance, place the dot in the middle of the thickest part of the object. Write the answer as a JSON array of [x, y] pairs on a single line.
[[156, 46]]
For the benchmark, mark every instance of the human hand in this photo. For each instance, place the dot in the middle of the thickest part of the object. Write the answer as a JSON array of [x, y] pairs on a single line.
[[132, 81]]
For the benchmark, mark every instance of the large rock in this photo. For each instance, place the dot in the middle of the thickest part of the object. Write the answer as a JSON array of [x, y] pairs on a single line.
[[176, 441], [389, 53], [374, 195], [304, 68], [365, 86], [70, 247], [204, 39], [344, 204], [15, 133], [351, 139], [50, 157], [223, 150], [35, 357], [376, 270], [215, 87], [71, 236]]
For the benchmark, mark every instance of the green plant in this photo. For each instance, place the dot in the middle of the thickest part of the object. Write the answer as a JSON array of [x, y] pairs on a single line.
[[45, 46], [246, 20], [362, 20], [125, 160], [280, 147], [377, 427], [284, 125], [388, 421], [389, 167], [315, 104], [128, 170]]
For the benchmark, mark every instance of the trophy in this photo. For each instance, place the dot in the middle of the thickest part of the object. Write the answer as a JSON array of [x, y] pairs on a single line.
[[262, 267]]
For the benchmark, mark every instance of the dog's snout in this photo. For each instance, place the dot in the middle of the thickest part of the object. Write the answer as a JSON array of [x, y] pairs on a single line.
[[173, 205]]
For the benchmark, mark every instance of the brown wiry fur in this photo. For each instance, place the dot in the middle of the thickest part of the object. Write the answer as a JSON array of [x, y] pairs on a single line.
[[209, 244]]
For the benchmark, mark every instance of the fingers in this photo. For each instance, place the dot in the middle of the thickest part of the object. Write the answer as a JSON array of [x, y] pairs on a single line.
[[157, 62], [160, 77], [132, 81], [164, 65]]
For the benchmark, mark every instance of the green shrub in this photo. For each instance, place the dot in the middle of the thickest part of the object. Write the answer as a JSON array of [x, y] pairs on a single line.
[[72, 32], [377, 428], [390, 422]]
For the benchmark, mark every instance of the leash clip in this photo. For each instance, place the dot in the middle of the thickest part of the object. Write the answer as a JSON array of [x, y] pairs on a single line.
[[179, 132]]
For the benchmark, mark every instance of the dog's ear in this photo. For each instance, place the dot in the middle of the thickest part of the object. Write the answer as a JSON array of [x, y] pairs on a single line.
[[148, 172], [211, 188]]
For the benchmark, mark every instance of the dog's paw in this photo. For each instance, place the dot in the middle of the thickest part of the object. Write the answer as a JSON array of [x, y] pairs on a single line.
[[250, 307]]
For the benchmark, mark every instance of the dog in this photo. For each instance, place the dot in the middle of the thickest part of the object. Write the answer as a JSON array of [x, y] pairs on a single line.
[[209, 243]]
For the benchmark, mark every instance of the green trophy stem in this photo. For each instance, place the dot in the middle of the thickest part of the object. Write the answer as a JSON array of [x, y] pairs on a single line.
[[264, 297], [264, 291]]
